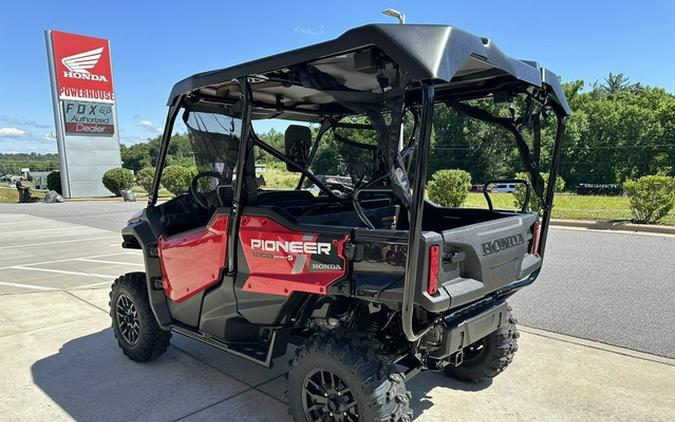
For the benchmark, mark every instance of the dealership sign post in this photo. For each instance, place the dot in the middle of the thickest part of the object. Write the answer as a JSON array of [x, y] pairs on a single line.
[[84, 111]]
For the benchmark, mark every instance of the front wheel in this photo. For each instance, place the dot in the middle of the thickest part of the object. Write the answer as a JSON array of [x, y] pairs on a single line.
[[133, 322], [489, 356], [338, 376]]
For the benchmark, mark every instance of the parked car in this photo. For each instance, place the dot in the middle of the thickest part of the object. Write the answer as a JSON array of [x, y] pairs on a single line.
[[504, 188]]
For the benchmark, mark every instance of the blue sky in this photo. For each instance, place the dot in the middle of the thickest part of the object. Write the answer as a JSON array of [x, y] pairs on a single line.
[[156, 43]]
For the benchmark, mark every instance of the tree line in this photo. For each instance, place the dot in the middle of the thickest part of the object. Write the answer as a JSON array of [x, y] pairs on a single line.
[[12, 163], [617, 131]]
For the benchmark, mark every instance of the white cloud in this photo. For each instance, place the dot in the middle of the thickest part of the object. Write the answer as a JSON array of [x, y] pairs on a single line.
[[309, 31], [149, 126], [11, 132]]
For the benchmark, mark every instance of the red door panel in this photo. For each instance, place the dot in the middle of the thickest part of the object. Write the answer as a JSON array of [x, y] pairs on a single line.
[[282, 261], [192, 262]]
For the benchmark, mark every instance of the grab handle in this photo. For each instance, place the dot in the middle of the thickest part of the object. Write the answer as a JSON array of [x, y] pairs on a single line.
[[526, 203]]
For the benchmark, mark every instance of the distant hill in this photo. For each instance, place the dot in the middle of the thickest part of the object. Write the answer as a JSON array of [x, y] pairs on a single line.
[[13, 163]]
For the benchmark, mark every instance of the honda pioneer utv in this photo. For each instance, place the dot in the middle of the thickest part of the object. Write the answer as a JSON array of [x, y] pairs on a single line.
[[372, 282]]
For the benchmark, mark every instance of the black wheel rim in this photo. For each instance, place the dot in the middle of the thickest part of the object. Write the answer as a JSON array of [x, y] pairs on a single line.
[[326, 397], [127, 319]]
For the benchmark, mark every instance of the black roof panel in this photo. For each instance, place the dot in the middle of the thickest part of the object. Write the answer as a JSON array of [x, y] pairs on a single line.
[[425, 52]]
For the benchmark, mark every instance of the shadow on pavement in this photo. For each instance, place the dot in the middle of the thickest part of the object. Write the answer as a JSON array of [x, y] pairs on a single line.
[[425, 382], [90, 379]]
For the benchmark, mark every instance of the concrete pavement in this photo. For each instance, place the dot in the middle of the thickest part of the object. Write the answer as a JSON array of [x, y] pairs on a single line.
[[61, 362]]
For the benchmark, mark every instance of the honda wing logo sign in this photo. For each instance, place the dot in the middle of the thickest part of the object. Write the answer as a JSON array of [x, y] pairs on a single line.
[[85, 117], [82, 67], [79, 65]]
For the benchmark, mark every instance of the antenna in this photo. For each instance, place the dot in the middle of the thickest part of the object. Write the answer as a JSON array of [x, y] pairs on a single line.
[[395, 14]]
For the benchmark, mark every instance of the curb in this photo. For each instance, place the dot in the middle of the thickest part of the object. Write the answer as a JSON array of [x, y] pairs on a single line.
[[598, 345], [614, 226]]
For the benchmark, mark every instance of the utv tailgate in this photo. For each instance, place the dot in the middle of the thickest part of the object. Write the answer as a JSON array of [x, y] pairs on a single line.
[[481, 258], [476, 260]]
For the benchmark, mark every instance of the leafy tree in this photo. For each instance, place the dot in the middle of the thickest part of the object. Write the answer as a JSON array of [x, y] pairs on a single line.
[[615, 83]]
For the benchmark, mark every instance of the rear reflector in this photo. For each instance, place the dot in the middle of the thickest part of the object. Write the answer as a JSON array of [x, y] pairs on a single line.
[[434, 266], [535, 238]]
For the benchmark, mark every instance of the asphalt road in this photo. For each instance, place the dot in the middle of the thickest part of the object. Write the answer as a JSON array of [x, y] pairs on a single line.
[[605, 286]]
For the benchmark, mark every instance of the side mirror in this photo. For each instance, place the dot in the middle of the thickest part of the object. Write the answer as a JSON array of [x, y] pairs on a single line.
[[297, 141]]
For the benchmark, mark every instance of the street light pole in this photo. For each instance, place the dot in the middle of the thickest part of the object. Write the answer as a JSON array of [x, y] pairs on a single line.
[[395, 14]]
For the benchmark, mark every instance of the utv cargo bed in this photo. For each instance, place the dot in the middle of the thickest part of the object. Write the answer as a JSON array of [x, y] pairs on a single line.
[[476, 260]]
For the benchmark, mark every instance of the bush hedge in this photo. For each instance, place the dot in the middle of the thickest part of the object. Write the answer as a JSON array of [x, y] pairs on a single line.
[[535, 202], [119, 178], [449, 188], [54, 181], [650, 198], [176, 179], [144, 178]]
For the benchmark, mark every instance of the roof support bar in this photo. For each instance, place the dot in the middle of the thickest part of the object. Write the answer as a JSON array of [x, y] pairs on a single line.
[[552, 177], [413, 259], [235, 214], [163, 148]]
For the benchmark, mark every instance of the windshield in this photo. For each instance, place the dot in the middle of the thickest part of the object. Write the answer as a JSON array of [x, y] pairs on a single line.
[[214, 138]]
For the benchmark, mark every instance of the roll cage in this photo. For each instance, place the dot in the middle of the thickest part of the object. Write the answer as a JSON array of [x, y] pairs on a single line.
[[326, 82]]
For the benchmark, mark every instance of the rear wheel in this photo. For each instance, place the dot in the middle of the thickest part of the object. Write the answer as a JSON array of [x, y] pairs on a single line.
[[133, 322], [489, 356], [339, 376]]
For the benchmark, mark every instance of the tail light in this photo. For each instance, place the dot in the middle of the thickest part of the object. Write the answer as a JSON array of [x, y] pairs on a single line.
[[535, 238], [434, 266]]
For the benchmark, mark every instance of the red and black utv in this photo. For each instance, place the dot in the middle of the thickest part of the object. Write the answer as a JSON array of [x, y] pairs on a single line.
[[372, 282]]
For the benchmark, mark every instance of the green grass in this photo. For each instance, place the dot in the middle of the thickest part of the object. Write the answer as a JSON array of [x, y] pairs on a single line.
[[568, 206], [280, 178], [11, 195]]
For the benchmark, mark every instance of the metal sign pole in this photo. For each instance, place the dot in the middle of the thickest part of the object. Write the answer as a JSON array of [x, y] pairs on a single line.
[[58, 117]]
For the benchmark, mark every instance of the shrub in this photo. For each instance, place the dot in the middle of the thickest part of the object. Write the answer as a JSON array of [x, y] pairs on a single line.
[[176, 179], [650, 197], [116, 179], [535, 202], [145, 177], [54, 181], [449, 188]]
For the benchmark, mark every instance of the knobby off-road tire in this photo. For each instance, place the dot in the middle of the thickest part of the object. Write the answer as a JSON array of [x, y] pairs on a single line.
[[345, 376], [488, 357], [133, 322]]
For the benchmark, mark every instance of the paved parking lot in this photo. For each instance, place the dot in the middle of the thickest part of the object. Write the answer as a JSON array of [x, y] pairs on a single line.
[[48, 254], [61, 362]]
